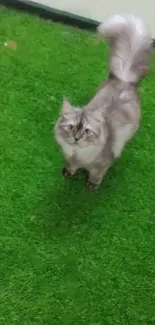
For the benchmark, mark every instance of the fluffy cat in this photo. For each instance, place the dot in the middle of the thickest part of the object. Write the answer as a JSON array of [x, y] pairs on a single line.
[[92, 137]]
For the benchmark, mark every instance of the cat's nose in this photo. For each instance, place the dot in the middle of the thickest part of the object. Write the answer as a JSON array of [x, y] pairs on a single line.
[[76, 138]]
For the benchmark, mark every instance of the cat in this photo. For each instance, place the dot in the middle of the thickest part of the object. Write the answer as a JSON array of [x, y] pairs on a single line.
[[94, 136]]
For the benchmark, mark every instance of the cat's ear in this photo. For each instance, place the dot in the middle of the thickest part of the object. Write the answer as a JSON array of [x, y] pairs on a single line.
[[98, 114], [66, 106]]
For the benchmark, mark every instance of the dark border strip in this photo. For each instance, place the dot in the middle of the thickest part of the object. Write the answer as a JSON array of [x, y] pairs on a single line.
[[55, 15], [153, 44], [51, 13]]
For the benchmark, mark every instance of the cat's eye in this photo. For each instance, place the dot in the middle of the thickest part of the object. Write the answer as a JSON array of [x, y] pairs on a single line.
[[87, 131], [70, 127]]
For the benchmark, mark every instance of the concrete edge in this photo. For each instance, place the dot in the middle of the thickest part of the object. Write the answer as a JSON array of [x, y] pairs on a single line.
[[51, 13], [55, 15]]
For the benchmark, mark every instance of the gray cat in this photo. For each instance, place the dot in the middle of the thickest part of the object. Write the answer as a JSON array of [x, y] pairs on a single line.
[[92, 137]]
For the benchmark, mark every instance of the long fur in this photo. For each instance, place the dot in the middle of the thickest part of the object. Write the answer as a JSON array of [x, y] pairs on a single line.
[[94, 136], [130, 44]]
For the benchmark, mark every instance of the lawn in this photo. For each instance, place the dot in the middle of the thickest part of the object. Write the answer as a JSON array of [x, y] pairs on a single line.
[[68, 256]]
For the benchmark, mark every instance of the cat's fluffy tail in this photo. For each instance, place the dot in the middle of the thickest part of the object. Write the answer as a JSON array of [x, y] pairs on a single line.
[[130, 46]]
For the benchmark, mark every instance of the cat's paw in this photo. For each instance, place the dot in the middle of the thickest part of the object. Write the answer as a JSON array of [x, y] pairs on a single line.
[[66, 173], [92, 186]]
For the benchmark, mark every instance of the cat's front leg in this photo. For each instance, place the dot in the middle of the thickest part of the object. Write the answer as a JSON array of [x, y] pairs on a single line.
[[96, 174], [69, 168]]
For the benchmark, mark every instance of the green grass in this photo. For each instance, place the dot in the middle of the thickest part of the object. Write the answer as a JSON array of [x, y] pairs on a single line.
[[68, 256]]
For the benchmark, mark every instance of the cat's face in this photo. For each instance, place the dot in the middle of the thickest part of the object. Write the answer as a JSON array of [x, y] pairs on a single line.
[[78, 127]]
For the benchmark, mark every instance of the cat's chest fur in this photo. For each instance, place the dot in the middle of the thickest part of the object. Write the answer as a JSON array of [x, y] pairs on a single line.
[[83, 156]]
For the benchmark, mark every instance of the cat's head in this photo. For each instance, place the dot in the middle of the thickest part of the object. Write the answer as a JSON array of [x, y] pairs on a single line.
[[80, 127]]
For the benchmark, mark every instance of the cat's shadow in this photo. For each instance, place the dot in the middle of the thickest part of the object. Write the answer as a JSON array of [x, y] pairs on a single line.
[[68, 203]]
